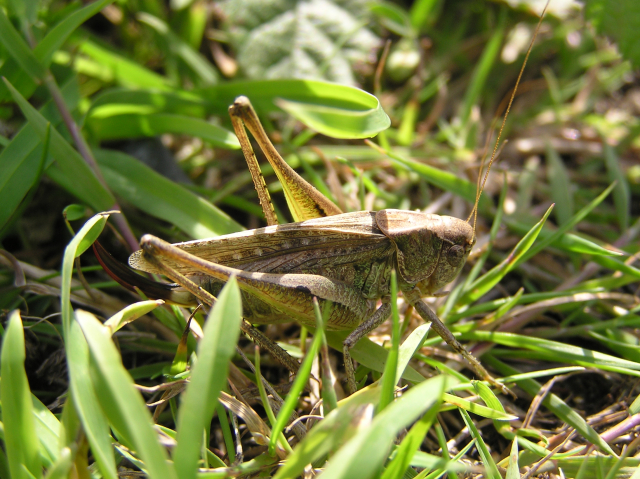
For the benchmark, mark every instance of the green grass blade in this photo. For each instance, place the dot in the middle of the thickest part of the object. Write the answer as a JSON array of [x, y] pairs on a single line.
[[70, 166], [489, 464], [442, 179], [122, 70], [47, 431], [561, 190], [409, 347], [513, 470], [131, 313], [60, 470], [621, 193], [487, 281], [302, 376], [579, 216], [208, 377], [497, 414], [370, 354], [567, 242], [58, 35], [153, 193], [199, 64], [410, 445], [77, 352], [120, 126], [556, 405], [482, 70], [20, 159], [120, 401], [364, 455], [388, 380], [18, 48], [20, 437]]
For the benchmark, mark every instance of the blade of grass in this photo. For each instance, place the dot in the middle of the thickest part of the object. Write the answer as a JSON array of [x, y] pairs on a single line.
[[364, 455], [621, 193], [120, 126], [120, 401], [199, 64], [554, 404], [208, 377], [77, 352], [388, 381], [489, 464], [151, 192], [301, 379], [76, 176], [18, 49], [20, 437], [561, 190], [483, 284]]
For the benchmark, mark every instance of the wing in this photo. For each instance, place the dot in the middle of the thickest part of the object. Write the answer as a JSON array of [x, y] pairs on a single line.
[[307, 246]]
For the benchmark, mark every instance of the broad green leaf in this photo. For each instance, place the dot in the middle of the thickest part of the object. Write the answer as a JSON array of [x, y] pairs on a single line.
[[153, 193], [132, 125], [561, 190], [334, 110], [120, 401], [20, 437], [313, 39], [47, 431], [208, 377], [339, 111], [70, 169]]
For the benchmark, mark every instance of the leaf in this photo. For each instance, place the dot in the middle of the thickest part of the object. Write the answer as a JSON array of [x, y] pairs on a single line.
[[120, 401], [208, 377], [20, 159], [20, 437], [125, 125], [70, 169], [18, 48], [318, 39], [153, 193], [620, 20], [198, 63], [364, 454], [82, 393]]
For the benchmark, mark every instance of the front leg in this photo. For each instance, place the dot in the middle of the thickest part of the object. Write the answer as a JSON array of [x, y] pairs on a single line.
[[376, 319], [428, 315]]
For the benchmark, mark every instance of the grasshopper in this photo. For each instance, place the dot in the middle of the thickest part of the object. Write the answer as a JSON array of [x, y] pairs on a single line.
[[344, 260]]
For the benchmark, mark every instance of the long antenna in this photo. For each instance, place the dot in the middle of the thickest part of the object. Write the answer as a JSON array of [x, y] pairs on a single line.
[[480, 187]]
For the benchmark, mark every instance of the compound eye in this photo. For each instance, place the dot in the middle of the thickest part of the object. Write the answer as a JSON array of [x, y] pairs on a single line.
[[455, 255]]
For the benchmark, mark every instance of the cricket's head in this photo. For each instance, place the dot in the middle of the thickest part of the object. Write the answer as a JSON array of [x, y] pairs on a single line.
[[431, 249]]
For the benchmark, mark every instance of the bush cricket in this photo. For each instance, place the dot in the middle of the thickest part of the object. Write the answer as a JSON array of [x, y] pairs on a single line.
[[343, 259]]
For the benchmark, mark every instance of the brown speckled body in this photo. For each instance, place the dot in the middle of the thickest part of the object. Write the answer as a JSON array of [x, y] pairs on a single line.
[[346, 259]]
